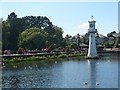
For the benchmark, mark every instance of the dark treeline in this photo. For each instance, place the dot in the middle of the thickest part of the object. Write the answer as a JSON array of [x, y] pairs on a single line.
[[30, 32]]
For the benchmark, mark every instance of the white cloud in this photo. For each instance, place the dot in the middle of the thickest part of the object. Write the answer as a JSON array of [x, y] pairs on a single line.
[[74, 30], [83, 26]]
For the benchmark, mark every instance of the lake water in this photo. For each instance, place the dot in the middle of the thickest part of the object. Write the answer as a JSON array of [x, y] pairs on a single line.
[[67, 73]]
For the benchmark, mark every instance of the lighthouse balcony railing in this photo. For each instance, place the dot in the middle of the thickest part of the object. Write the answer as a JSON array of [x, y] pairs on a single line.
[[92, 30]]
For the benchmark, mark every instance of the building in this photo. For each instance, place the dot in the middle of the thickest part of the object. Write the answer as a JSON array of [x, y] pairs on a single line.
[[101, 39]]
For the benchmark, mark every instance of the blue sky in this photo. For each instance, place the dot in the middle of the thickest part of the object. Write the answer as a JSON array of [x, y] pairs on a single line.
[[72, 17]]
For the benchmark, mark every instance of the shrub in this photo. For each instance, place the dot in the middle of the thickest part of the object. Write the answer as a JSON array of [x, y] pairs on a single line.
[[62, 56]]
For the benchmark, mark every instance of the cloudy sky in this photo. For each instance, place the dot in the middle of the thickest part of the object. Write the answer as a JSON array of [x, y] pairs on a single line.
[[72, 17]]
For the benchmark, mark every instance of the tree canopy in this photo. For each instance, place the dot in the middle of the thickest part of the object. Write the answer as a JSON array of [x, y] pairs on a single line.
[[111, 34], [32, 38], [16, 32]]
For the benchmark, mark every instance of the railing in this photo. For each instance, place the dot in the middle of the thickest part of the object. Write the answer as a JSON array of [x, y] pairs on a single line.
[[92, 30]]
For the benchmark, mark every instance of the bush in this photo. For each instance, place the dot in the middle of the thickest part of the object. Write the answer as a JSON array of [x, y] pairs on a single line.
[[108, 45], [52, 57], [62, 56], [43, 57]]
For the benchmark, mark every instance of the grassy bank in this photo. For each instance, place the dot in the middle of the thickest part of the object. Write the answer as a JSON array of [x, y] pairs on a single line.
[[33, 58]]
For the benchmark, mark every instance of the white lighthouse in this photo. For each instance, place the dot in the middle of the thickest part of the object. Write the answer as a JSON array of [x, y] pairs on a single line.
[[92, 52]]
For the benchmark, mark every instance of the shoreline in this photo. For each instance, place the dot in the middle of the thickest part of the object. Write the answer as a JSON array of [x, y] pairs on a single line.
[[34, 58], [46, 56]]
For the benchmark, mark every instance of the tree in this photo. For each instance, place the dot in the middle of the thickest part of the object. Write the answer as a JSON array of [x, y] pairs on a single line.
[[58, 36], [14, 26], [12, 16], [1, 34], [85, 38], [38, 22], [108, 45], [67, 41], [0, 45], [33, 38], [64, 43], [78, 40], [5, 35], [111, 34], [117, 42], [44, 24], [11, 28]]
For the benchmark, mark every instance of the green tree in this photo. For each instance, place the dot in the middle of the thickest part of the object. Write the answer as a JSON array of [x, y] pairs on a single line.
[[85, 39], [33, 38], [44, 24], [5, 35], [117, 42], [111, 34], [38, 22], [78, 40], [58, 38], [64, 43], [11, 28], [14, 26], [12, 16], [67, 40], [108, 45]]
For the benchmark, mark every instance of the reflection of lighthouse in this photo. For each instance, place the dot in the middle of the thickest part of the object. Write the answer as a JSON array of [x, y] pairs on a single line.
[[92, 73], [92, 52]]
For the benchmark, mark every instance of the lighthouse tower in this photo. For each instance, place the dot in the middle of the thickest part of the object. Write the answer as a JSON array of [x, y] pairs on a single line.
[[92, 52]]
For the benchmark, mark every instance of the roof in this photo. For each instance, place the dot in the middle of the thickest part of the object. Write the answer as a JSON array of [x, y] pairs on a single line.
[[116, 35], [82, 44], [101, 36]]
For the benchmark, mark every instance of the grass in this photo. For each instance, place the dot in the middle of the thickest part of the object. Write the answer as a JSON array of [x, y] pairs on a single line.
[[62, 56], [97, 57], [33, 58]]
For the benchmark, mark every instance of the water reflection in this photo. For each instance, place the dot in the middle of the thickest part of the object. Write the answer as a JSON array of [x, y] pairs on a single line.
[[92, 72]]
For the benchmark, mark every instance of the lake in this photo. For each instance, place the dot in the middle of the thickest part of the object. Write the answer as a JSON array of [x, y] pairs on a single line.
[[66, 73]]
